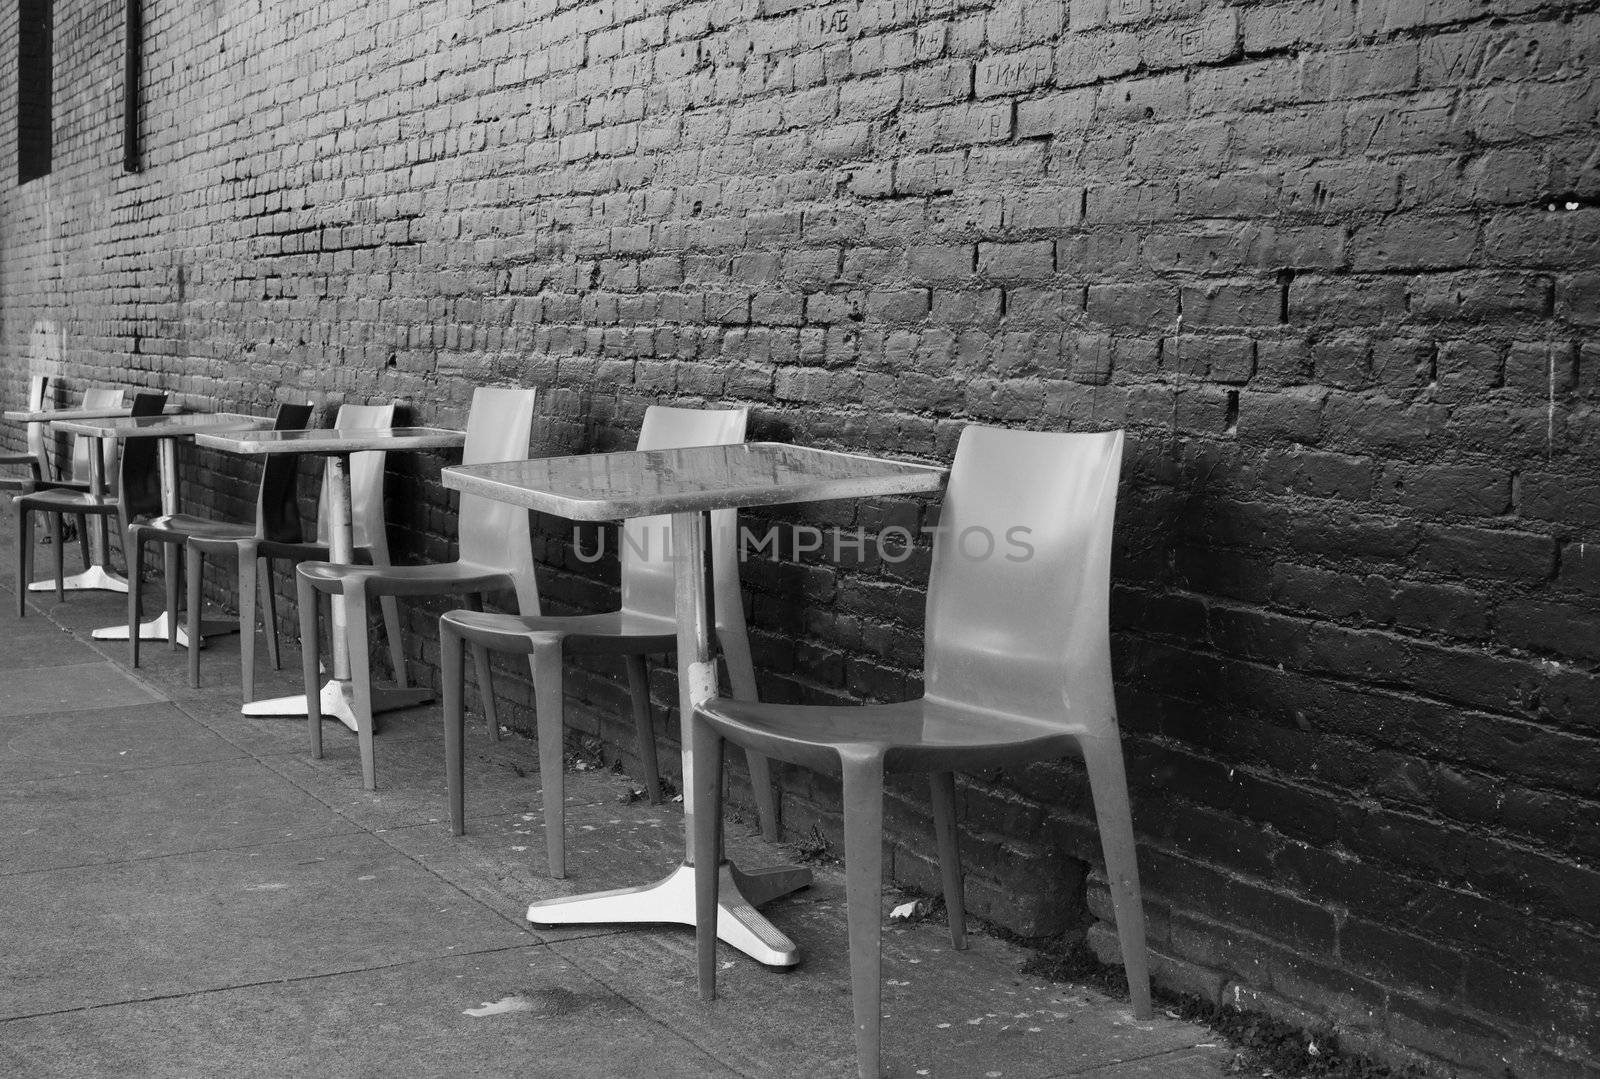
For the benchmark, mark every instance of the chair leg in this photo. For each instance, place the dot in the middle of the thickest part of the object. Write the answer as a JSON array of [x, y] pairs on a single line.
[[742, 674], [58, 554], [766, 797], [397, 643], [355, 603], [306, 600], [549, 711], [269, 608], [246, 583], [452, 677], [863, 875], [105, 537], [643, 724], [485, 676], [83, 540], [172, 573], [24, 558], [391, 614], [133, 547], [1108, 782], [943, 786], [193, 609], [705, 806]]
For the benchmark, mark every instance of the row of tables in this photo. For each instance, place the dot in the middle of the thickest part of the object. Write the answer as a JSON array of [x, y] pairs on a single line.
[[685, 484], [335, 447], [250, 436]]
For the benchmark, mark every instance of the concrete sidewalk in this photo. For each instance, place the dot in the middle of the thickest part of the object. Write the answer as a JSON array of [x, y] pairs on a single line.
[[187, 893]]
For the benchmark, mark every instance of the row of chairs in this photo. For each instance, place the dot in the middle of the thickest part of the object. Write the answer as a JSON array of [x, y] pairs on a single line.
[[136, 491], [495, 554], [40, 475], [1017, 662], [278, 534]]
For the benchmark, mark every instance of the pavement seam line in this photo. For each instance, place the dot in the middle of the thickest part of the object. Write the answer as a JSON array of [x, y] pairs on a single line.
[[276, 981], [1120, 1063], [175, 854]]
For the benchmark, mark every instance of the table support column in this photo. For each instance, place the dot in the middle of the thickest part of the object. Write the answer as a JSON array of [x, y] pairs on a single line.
[[159, 627], [671, 899], [97, 575], [335, 700], [341, 551]]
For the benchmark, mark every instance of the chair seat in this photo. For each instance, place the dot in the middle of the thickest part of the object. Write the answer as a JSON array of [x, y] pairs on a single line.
[[60, 500], [610, 631], [184, 525], [918, 734], [18, 459], [307, 551], [405, 580]]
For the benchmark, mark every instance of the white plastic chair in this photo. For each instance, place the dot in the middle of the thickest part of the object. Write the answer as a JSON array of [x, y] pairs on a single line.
[[644, 625], [78, 480], [136, 492], [496, 553], [283, 541], [275, 506], [1017, 668], [34, 459]]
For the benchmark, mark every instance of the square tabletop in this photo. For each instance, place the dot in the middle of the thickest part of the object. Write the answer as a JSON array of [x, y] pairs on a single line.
[[642, 483], [51, 415], [185, 425], [332, 441]]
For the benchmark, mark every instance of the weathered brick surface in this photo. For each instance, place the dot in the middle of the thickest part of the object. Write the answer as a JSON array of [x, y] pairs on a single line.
[[1332, 265]]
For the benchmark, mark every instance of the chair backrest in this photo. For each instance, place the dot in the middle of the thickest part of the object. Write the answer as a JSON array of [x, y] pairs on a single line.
[[1019, 591], [138, 476], [277, 509], [366, 477], [82, 447], [499, 428], [646, 541], [38, 398]]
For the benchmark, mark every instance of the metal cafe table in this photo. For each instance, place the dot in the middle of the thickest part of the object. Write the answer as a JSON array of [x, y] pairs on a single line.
[[95, 577], [170, 430], [688, 484], [50, 415], [336, 446]]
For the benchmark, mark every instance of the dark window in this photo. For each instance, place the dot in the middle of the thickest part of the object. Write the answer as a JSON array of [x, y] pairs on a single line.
[[35, 77]]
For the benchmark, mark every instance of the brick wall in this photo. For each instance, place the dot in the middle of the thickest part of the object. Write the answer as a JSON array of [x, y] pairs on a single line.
[[1335, 266]]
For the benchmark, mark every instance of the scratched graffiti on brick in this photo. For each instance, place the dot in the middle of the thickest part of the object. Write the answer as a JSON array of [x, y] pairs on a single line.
[[912, 11], [836, 22], [1015, 73], [1126, 11], [990, 124]]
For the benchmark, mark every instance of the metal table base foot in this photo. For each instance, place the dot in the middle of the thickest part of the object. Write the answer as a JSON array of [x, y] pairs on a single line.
[[156, 630], [93, 579], [337, 702], [671, 901]]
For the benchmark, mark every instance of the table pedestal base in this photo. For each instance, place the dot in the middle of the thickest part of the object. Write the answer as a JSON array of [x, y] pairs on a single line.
[[337, 702], [93, 579], [157, 628], [671, 900]]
